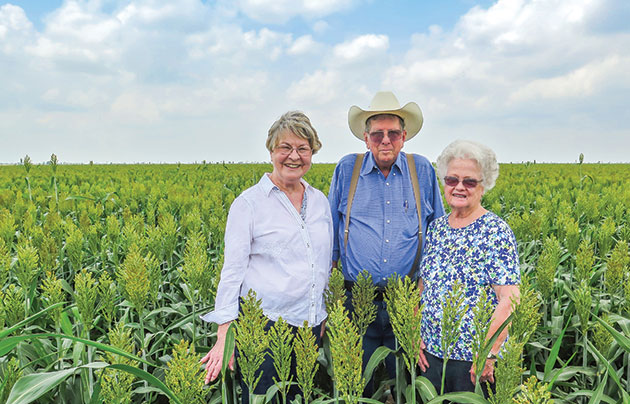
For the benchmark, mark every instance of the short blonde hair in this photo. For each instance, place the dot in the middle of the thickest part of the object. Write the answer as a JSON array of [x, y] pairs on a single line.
[[467, 149], [297, 123]]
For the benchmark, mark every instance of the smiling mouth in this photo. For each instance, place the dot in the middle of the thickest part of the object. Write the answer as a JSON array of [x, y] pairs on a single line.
[[459, 196], [293, 165]]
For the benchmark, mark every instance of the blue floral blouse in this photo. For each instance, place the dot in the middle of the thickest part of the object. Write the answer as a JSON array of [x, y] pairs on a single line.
[[479, 255]]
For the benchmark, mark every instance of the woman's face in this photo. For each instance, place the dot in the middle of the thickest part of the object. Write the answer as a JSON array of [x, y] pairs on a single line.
[[459, 197], [291, 158]]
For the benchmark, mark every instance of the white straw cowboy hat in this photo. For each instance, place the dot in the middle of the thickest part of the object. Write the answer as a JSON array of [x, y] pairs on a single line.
[[385, 102]]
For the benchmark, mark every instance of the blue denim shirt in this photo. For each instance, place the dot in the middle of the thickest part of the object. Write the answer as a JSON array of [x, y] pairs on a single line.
[[383, 230]]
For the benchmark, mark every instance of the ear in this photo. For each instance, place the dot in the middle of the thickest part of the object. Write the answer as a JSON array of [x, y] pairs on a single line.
[[367, 139]]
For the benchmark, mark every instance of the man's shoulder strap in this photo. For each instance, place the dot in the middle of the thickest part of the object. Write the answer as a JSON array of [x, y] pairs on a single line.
[[358, 162], [413, 173]]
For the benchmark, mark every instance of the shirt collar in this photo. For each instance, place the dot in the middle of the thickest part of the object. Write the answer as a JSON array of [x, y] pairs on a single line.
[[268, 186], [369, 163]]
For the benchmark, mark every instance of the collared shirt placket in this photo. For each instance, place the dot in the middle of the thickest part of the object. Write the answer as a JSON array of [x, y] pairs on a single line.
[[309, 250], [388, 226]]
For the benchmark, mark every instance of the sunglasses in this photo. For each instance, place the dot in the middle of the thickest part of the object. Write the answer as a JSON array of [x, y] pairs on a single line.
[[393, 135], [468, 182]]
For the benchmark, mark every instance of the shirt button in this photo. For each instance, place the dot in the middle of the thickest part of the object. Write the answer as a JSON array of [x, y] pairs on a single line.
[[388, 220], [385, 260], [387, 240], [387, 183], [387, 202]]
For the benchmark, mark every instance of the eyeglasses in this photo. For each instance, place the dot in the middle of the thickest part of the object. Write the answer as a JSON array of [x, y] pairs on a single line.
[[393, 135], [285, 150], [468, 182]]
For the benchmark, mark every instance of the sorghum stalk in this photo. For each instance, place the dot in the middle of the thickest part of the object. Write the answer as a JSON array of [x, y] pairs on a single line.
[[251, 340], [27, 167], [86, 294], [52, 293], [53, 166], [306, 353], [196, 272], [115, 384], [507, 373], [533, 392], [453, 310], [184, 376], [363, 294], [583, 302], [335, 290], [347, 353], [280, 346], [26, 270], [616, 268], [402, 298], [482, 314]]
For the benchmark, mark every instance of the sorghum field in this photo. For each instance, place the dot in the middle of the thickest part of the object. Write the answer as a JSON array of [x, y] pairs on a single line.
[[104, 270]]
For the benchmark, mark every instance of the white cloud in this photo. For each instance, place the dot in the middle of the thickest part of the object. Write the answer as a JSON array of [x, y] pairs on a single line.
[[280, 11], [319, 87], [595, 77], [361, 48], [302, 45], [320, 26]]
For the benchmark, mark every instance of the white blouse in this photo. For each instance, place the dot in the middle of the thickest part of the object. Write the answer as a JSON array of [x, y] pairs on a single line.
[[269, 248]]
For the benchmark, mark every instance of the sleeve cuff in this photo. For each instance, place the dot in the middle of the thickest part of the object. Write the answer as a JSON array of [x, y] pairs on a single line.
[[222, 315]]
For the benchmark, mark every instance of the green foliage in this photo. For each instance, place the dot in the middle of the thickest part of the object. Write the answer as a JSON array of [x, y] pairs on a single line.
[[527, 313], [347, 353], [583, 303], [533, 392], [306, 353], [184, 376], [251, 339], [601, 337], [116, 385], [5, 263], [547, 265], [139, 278], [197, 271], [605, 236], [584, 260], [507, 372], [7, 227], [453, 310], [405, 312], [335, 291], [74, 247], [280, 347], [482, 314], [10, 374], [86, 294], [617, 268], [27, 265], [106, 297], [363, 293], [13, 305], [52, 293]]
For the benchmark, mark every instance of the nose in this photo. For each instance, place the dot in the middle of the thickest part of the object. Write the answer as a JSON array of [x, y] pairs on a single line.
[[294, 150]]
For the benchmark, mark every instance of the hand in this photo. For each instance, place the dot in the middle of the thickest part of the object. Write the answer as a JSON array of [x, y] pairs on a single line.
[[487, 375], [214, 358], [422, 360], [323, 329]]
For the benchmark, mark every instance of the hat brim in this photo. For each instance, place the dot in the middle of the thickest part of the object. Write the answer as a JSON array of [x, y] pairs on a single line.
[[410, 113]]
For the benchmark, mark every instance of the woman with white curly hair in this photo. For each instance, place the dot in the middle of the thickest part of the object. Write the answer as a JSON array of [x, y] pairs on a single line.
[[474, 247]]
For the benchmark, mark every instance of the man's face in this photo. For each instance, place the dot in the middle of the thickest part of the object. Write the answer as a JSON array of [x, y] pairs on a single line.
[[385, 139]]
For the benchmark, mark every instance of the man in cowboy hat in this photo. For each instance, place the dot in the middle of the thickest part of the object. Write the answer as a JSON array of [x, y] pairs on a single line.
[[373, 200]]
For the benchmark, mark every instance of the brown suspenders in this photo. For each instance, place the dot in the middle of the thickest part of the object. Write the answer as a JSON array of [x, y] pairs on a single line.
[[416, 193]]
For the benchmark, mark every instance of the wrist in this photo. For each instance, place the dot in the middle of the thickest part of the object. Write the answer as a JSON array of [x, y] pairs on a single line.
[[491, 356]]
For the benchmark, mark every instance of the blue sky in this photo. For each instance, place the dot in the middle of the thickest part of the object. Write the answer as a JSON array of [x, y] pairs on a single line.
[[191, 80]]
